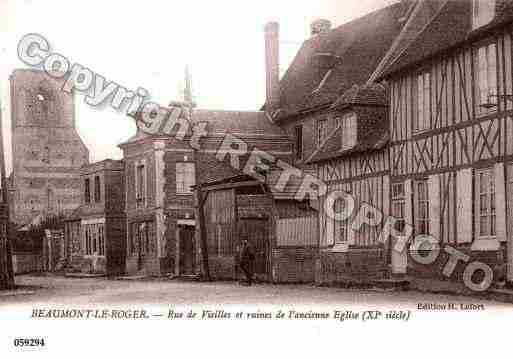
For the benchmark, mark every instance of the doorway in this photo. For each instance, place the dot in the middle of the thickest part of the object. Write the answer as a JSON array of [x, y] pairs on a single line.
[[256, 232], [187, 253]]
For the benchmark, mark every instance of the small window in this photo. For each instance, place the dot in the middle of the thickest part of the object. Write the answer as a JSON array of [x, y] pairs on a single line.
[[485, 205], [87, 190], [185, 177], [422, 115], [298, 137], [485, 60], [483, 11], [322, 131], [97, 189], [348, 128]]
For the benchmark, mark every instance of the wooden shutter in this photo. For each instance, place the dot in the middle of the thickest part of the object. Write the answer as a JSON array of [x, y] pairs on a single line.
[[464, 202], [408, 198], [434, 206], [330, 231], [500, 201]]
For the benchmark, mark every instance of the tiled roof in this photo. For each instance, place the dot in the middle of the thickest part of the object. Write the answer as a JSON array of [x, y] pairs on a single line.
[[420, 14], [451, 27], [356, 47], [220, 122], [373, 95], [288, 192]]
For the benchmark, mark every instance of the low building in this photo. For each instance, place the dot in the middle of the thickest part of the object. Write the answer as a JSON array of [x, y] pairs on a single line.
[[95, 233], [282, 231]]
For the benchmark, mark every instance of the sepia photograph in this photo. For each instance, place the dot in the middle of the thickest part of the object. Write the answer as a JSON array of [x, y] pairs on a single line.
[[248, 178]]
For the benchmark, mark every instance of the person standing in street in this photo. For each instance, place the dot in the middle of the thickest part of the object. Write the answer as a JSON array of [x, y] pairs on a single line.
[[246, 260]]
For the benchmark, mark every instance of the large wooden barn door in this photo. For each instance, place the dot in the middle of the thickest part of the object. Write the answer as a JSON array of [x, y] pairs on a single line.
[[256, 232]]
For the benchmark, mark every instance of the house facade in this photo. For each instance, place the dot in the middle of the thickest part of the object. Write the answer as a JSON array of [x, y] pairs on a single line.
[[323, 90], [353, 159], [95, 233], [161, 208], [450, 106]]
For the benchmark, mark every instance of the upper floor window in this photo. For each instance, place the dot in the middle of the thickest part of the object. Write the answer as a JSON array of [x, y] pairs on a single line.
[[97, 190], [87, 190], [185, 177], [483, 11], [422, 115], [485, 203], [348, 126], [322, 131], [140, 185], [298, 138], [485, 59]]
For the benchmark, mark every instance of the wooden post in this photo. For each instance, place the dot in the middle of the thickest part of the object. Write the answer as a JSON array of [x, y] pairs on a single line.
[[272, 230], [203, 232]]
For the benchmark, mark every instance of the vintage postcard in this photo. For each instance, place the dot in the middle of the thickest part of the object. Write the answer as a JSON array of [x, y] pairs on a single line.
[[247, 178]]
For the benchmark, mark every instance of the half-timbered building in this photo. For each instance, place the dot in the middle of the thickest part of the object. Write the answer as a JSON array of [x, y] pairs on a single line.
[[354, 160], [450, 108]]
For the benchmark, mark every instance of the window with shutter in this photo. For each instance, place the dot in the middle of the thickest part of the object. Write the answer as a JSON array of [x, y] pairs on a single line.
[[485, 59], [422, 115], [485, 206], [348, 129]]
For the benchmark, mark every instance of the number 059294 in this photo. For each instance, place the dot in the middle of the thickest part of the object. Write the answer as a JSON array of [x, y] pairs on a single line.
[[29, 342]]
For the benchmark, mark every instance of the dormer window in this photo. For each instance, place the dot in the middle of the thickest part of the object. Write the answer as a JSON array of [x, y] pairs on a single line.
[[348, 127], [483, 11]]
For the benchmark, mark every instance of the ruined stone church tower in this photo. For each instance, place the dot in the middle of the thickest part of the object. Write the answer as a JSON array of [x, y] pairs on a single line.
[[46, 147]]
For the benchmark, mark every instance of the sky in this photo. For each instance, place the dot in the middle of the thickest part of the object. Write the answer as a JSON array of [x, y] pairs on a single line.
[[148, 44]]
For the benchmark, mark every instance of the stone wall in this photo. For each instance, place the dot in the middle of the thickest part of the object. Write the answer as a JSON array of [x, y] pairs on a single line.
[[47, 150]]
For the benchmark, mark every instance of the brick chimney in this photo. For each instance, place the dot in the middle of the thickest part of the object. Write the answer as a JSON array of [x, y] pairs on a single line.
[[272, 65], [320, 26]]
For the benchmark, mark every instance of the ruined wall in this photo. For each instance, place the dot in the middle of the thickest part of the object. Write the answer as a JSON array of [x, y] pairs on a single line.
[[46, 148]]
